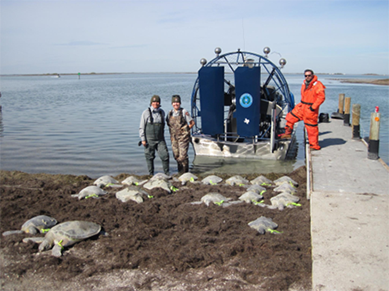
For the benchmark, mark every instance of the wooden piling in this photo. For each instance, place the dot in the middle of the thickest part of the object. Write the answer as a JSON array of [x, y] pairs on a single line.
[[339, 113], [346, 117], [356, 114], [373, 148], [341, 103]]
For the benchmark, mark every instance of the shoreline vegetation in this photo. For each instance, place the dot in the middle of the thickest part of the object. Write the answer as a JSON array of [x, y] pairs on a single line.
[[354, 81], [365, 81]]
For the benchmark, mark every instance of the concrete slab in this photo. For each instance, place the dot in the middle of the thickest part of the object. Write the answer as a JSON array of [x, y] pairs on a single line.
[[349, 213], [342, 164], [350, 241]]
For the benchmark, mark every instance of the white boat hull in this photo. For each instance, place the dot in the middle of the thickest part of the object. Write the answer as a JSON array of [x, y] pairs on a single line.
[[208, 146]]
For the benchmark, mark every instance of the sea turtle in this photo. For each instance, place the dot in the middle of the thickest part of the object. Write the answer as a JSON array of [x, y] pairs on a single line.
[[286, 187], [160, 176], [251, 197], [211, 180], [40, 223], [215, 198], [90, 191], [187, 177], [107, 181], [261, 180], [131, 180], [158, 183], [257, 189], [131, 193], [285, 179], [237, 180], [283, 200], [263, 225], [66, 234]]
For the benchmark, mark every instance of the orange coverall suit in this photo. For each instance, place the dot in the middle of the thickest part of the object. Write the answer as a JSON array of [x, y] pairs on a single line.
[[313, 97]]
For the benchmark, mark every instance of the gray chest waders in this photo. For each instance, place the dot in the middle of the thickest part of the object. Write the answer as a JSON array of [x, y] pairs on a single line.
[[156, 142]]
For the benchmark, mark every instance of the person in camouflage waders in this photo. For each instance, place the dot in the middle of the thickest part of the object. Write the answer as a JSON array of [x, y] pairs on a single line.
[[180, 123], [151, 132]]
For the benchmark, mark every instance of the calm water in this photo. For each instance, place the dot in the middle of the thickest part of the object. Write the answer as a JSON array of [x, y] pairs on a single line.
[[90, 126]]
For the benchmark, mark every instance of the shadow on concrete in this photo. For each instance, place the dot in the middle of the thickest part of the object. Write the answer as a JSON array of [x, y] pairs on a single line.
[[331, 142], [324, 132]]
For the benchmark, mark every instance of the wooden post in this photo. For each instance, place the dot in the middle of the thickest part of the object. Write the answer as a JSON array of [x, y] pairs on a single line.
[[374, 141], [339, 114], [355, 121], [346, 117], [341, 103]]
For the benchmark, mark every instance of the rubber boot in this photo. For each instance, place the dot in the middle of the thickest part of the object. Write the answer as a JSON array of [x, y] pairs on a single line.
[[179, 167], [150, 166], [315, 147], [287, 134], [165, 166], [185, 166]]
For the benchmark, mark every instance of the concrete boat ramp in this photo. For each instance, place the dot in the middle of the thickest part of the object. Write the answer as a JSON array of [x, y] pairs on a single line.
[[349, 213]]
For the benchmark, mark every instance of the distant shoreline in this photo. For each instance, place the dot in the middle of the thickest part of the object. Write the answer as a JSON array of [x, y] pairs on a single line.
[[88, 74], [365, 81], [354, 81]]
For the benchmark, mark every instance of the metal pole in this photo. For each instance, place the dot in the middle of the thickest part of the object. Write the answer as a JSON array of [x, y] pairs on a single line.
[[273, 127]]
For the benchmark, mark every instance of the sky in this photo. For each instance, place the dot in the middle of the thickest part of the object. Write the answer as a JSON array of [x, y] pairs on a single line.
[[108, 36]]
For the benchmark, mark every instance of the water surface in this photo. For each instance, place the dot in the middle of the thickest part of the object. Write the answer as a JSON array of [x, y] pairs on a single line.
[[89, 126]]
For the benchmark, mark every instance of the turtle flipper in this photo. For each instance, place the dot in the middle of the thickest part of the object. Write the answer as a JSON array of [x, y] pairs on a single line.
[[9, 232], [37, 240], [57, 250]]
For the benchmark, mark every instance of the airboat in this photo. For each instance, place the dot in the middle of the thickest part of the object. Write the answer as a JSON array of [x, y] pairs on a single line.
[[239, 103]]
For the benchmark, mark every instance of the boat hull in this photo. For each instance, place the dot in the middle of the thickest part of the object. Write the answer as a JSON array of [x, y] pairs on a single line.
[[208, 146]]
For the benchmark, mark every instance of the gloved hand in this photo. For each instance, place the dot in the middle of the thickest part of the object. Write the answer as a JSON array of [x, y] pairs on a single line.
[[310, 108]]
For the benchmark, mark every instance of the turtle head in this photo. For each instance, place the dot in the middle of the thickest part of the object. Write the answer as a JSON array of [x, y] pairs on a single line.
[[138, 198], [31, 230], [100, 184], [45, 245]]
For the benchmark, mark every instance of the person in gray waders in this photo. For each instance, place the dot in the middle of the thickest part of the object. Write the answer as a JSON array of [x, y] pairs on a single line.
[[151, 132], [180, 123]]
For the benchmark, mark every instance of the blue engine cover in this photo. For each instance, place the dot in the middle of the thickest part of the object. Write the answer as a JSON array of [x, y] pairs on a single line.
[[248, 100], [211, 82]]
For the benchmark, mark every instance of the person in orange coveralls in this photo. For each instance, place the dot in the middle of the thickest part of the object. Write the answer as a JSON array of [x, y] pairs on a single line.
[[312, 96]]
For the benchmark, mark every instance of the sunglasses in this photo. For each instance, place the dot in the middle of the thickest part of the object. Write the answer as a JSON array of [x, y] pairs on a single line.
[[308, 76]]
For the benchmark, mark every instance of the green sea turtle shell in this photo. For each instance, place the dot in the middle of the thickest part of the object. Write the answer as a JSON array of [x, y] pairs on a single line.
[[75, 230], [237, 180], [263, 224], [211, 180]]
